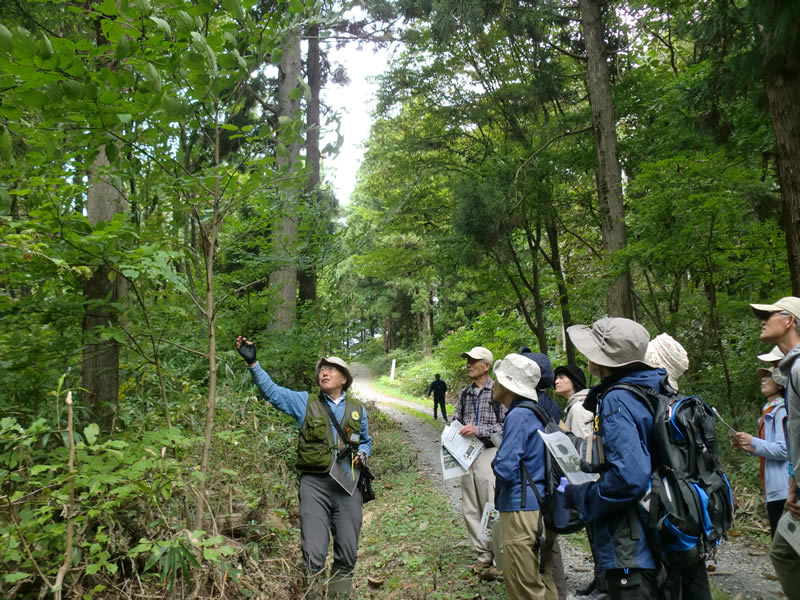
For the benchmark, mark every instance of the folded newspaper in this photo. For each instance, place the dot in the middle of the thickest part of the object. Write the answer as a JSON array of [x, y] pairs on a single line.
[[487, 520], [451, 469], [463, 449], [566, 455]]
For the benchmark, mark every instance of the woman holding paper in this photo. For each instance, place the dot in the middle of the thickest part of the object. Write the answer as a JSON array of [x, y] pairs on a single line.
[[769, 446]]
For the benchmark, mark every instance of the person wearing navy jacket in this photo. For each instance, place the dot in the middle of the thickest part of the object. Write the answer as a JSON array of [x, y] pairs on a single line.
[[516, 378], [616, 350]]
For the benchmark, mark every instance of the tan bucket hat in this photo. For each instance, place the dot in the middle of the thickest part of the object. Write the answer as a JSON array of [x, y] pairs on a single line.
[[518, 374], [665, 351], [612, 342], [337, 362]]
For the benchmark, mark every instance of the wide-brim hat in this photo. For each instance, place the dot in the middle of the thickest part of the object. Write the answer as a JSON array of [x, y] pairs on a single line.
[[612, 342], [336, 362], [479, 353], [763, 372], [790, 304], [519, 375], [772, 355]]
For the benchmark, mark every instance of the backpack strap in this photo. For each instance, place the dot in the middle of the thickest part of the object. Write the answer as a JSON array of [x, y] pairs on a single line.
[[527, 480]]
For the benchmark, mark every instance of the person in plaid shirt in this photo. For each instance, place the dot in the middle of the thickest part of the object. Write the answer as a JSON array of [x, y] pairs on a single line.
[[481, 417]]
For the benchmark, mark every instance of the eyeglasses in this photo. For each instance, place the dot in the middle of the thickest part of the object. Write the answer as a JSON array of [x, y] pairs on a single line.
[[782, 313]]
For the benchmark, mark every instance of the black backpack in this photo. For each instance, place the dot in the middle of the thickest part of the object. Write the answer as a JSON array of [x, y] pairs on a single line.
[[688, 507], [552, 511]]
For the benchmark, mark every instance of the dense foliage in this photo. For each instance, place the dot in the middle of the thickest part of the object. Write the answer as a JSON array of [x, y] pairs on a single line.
[[154, 154]]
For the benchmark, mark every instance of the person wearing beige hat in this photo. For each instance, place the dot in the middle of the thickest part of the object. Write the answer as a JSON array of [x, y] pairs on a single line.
[[780, 325], [325, 506], [769, 446], [665, 351], [481, 417], [515, 499], [616, 349]]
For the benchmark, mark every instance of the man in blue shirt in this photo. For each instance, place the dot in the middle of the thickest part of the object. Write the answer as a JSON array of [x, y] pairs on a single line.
[[325, 505]]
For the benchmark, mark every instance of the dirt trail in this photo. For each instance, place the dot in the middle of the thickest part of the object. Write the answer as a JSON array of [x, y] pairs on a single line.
[[742, 570]]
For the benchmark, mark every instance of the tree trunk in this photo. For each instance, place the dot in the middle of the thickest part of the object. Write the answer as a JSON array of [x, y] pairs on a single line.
[[285, 278], [783, 91], [551, 226], [619, 301], [100, 366], [307, 276], [425, 325]]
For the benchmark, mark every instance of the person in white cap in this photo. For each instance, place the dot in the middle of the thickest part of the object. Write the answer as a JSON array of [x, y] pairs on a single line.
[[780, 325], [515, 499], [769, 446], [481, 417], [325, 506]]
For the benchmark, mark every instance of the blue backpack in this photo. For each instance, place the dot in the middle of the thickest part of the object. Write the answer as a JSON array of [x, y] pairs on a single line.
[[688, 507]]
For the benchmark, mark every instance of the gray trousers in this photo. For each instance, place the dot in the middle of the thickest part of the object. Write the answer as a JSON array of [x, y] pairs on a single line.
[[325, 509], [787, 566]]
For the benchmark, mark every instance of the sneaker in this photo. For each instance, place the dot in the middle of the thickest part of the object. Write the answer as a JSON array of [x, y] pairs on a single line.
[[491, 574]]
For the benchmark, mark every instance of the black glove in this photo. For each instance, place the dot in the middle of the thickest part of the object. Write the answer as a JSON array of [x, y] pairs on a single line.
[[247, 351]]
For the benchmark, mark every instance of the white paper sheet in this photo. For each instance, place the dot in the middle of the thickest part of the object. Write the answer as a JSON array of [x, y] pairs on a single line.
[[565, 454], [464, 449]]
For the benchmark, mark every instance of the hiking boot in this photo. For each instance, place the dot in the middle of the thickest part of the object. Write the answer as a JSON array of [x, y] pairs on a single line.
[[479, 567], [491, 574], [585, 591]]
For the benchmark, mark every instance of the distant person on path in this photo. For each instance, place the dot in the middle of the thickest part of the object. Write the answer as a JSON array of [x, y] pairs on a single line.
[[517, 378], [325, 507], [571, 385], [769, 446], [780, 325], [439, 388], [615, 348], [481, 417]]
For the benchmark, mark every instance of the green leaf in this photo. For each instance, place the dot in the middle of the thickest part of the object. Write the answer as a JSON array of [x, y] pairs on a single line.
[[153, 77], [14, 577], [108, 7], [162, 25], [124, 118], [90, 433], [5, 145], [6, 39], [45, 47]]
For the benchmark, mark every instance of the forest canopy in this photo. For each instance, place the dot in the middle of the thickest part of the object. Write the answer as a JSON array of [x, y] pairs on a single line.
[[531, 165]]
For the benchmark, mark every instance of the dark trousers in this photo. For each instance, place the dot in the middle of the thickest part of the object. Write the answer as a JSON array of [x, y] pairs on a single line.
[[325, 509], [632, 584], [774, 512], [694, 583], [437, 404]]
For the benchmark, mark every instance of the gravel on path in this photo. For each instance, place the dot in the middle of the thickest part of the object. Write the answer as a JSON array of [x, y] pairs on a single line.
[[742, 570]]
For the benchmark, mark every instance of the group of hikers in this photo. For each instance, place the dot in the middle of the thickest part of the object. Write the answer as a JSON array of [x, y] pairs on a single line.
[[505, 413]]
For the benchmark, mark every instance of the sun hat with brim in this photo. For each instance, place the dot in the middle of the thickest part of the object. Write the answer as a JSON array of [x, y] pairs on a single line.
[[790, 304], [519, 375], [479, 353], [334, 361], [763, 372], [772, 355], [612, 342]]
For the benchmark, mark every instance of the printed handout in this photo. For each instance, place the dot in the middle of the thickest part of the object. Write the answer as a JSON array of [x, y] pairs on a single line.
[[565, 454], [464, 449]]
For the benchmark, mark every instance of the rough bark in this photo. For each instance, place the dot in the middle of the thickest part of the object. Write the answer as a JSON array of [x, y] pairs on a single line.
[[782, 80], [619, 301], [284, 279], [100, 366]]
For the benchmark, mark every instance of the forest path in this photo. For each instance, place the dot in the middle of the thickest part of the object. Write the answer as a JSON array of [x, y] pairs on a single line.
[[742, 569]]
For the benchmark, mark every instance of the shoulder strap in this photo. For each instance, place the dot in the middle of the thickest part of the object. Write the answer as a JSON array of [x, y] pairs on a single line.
[[334, 420], [647, 396], [544, 416]]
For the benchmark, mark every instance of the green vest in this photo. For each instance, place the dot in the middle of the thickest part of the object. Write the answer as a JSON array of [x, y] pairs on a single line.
[[316, 450]]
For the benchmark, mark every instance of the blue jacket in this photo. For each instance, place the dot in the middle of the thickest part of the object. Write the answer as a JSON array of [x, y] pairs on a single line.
[[609, 505], [546, 381], [520, 442]]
